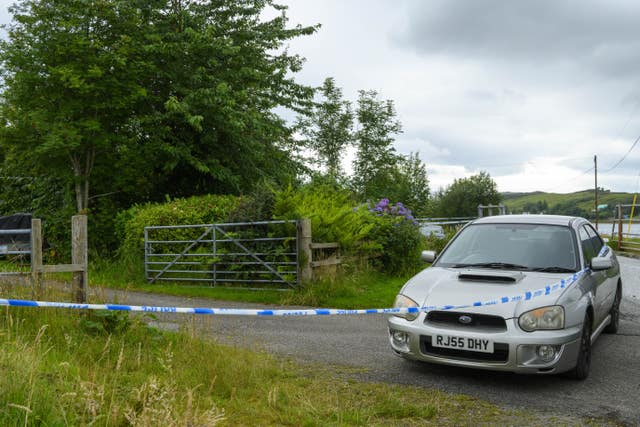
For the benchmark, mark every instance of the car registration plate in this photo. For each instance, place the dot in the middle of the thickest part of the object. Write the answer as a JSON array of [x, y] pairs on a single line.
[[463, 343]]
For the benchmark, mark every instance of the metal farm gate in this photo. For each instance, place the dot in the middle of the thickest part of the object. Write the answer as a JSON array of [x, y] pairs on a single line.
[[255, 255]]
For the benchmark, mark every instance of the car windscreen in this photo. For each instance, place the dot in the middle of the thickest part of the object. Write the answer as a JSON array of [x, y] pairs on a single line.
[[536, 247]]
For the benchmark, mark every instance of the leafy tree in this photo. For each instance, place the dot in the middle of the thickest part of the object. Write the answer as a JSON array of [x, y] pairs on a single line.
[[377, 160], [130, 100], [465, 194], [411, 184], [73, 75], [568, 208], [178, 95], [328, 129], [536, 207], [220, 71]]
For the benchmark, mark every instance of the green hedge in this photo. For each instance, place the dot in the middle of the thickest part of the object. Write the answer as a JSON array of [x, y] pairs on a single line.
[[390, 241], [193, 210]]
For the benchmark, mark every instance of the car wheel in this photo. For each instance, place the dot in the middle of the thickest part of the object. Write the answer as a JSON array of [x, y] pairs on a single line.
[[581, 371], [612, 327]]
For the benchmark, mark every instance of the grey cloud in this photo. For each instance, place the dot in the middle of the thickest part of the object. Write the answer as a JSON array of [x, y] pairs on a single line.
[[474, 152], [602, 33]]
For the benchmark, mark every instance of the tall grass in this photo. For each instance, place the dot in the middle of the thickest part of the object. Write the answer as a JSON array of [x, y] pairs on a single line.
[[59, 373], [64, 367]]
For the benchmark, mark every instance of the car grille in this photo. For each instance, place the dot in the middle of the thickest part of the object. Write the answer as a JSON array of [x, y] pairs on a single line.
[[500, 352], [484, 321]]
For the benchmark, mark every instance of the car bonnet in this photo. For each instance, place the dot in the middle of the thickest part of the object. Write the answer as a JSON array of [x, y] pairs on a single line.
[[440, 287]]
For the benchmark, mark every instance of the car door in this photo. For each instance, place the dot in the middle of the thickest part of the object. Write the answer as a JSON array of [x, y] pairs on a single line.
[[610, 284], [596, 278]]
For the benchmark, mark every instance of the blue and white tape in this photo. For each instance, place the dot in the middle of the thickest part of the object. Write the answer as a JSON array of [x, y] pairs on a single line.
[[529, 295]]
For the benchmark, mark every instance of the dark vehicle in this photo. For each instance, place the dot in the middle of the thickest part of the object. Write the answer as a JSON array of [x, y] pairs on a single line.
[[15, 238]]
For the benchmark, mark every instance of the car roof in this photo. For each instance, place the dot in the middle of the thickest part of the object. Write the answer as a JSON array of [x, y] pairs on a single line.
[[529, 219]]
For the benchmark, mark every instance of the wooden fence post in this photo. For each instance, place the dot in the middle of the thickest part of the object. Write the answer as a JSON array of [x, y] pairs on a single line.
[[79, 256], [36, 256], [305, 272], [619, 227]]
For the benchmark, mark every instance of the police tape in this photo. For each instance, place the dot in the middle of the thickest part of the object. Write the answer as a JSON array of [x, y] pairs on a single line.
[[526, 296]]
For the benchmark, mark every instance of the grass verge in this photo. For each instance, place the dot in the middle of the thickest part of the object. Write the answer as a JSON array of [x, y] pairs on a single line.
[[364, 289], [97, 368]]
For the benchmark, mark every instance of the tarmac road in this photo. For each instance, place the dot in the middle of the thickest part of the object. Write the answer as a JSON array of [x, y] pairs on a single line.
[[611, 391]]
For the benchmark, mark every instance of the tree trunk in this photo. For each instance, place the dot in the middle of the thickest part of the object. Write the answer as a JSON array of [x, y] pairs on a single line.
[[82, 166]]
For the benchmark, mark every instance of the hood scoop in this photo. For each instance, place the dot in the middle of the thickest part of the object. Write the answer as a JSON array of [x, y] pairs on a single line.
[[493, 277]]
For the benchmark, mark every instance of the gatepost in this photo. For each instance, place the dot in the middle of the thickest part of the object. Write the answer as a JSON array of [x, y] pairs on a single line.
[[79, 259]]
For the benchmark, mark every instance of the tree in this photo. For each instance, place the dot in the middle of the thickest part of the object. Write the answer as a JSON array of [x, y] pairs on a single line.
[[568, 208], [72, 77], [465, 194], [221, 70], [328, 129], [177, 96], [535, 207], [377, 160], [411, 184]]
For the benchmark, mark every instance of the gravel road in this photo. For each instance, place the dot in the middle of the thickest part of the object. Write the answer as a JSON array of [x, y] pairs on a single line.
[[611, 391]]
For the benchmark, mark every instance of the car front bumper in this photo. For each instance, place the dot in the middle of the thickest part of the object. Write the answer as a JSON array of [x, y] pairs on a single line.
[[514, 349]]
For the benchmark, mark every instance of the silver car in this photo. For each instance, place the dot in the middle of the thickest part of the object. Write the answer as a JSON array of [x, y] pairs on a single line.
[[434, 230], [519, 293]]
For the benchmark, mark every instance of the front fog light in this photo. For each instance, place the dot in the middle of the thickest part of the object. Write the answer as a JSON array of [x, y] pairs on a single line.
[[399, 341], [547, 352], [399, 337]]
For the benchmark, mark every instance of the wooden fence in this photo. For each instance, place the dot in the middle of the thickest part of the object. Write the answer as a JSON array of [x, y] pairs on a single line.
[[324, 257], [79, 259]]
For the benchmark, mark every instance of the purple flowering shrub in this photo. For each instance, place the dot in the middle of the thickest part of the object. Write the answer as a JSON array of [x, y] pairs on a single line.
[[396, 231], [384, 233], [384, 207]]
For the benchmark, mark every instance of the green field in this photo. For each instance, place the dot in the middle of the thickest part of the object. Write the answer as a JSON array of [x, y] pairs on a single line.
[[581, 202]]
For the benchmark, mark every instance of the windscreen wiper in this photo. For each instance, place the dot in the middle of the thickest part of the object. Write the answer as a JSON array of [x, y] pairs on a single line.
[[555, 269], [496, 265]]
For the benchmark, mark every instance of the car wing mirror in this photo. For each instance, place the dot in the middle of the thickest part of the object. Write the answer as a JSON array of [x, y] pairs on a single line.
[[601, 263], [428, 256]]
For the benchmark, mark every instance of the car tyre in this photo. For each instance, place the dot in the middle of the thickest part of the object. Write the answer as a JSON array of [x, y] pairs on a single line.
[[581, 371], [612, 327]]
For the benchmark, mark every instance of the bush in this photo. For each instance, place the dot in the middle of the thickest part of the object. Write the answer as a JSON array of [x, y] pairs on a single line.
[[398, 235], [193, 210], [385, 232], [332, 214], [258, 206], [432, 243]]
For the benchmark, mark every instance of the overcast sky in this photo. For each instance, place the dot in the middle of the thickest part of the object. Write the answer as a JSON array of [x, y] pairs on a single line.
[[528, 91]]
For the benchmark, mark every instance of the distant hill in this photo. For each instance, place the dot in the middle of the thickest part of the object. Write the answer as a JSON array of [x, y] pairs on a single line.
[[579, 203]]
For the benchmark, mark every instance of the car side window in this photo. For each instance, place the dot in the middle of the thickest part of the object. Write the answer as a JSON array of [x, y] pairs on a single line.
[[588, 250], [596, 241]]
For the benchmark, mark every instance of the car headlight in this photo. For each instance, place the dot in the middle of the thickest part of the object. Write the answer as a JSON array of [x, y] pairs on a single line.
[[406, 302], [551, 317]]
